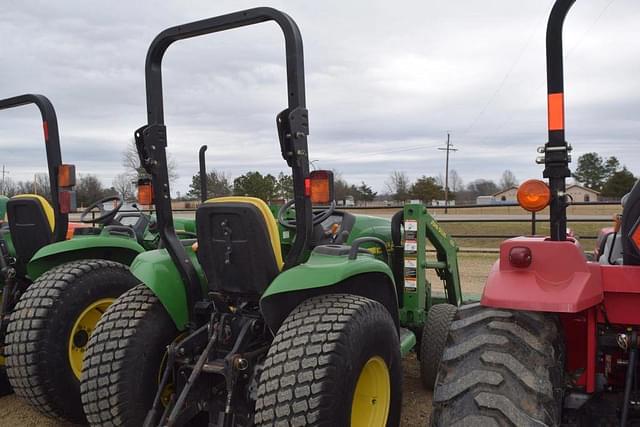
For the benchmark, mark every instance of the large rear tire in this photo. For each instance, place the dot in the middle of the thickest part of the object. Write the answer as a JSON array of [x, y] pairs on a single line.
[[49, 330], [335, 361], [500, 368], [433, 341], [122, 363]]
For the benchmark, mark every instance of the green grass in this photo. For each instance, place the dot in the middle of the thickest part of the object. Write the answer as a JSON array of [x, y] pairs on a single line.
[[584, 230]]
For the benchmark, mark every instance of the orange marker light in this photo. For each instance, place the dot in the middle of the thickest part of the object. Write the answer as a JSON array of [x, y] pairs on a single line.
[[321, 187], [145, 192], [66, 175], [534, 195]]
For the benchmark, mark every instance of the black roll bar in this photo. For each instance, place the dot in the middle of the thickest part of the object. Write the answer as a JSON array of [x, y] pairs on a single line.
[[556, 150], [52, 146], [203, 174], [292, 126]]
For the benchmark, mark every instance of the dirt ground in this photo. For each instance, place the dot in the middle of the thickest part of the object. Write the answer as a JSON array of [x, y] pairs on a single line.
[[416, 402]]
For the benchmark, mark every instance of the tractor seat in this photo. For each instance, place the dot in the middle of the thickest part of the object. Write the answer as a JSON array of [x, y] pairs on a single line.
[[612, 252], [238, 245], [630, 216], [31, 223]]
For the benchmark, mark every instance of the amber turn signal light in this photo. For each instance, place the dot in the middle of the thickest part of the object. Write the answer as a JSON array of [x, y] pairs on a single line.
[[145, 192], [66, 175], [321, 187], [534, 195]]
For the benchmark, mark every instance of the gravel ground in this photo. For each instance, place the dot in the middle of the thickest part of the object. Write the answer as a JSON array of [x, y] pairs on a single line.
[[416, 402]]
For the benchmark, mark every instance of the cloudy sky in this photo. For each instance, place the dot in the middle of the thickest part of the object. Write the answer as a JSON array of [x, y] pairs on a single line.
[[385, 82]]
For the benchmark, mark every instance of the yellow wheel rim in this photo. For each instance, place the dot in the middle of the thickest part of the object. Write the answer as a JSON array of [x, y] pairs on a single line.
[[372, 397], [82, 329], [169, 389]]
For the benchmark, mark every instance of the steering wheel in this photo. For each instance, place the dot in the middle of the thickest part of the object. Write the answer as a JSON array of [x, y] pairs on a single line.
[[318, 216], [105, 216]]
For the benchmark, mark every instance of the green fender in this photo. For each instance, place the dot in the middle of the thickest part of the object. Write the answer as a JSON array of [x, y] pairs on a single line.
[[323, 274], [3, 207], [158, 272], [120, 249], [371, 226]]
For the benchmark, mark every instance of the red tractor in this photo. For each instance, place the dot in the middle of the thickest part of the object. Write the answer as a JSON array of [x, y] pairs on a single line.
[[554, 339]]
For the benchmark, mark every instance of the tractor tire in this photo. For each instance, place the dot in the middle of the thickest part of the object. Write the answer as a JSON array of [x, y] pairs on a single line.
[[500, 368], [433, 341], [335, 361], [122, 363], [49, 329]]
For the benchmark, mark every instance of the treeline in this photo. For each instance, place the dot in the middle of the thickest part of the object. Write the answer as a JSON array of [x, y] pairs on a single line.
[[607, 176], [88, 188], [398, 187]]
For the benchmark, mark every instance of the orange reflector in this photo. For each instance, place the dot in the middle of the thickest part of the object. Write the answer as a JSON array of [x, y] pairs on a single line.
[[66, 175], [635, 236], [321, 186], [534, 195], [556, 111], [145, 192]]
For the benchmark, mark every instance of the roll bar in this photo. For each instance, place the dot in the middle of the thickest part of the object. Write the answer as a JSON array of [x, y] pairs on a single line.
[[556, 150], [203, 174], [52, 146], [292, 123]]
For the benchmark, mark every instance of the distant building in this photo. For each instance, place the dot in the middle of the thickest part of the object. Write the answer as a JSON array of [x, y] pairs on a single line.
[[435, 202], [577, 192], [508, 195]]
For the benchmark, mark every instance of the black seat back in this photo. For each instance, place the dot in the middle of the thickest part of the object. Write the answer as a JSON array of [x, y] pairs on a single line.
[[630, 216], [235, 248], [29, 226]]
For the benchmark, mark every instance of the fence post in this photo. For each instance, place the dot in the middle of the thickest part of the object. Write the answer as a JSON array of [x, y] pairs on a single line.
[[533, 223]]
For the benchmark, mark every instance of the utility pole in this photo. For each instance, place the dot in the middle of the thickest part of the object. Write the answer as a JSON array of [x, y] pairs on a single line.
[[2, 191], [448, 148]]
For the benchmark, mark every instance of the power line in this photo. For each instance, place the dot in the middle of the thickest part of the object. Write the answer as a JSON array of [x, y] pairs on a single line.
[[539, 87], [448, 148], [589, 28], [494, 95]]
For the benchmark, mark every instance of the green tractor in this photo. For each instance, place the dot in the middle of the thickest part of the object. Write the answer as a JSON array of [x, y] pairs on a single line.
[[3, 208], [57, 278], [298, 318]]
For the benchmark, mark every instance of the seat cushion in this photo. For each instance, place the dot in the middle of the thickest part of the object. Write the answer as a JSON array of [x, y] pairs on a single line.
[[46, 207], [235, 246], [272, 224], [630, 217], [31, 224]]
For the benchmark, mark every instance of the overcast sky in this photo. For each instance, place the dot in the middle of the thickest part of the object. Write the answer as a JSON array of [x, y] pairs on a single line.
[[385, 82]]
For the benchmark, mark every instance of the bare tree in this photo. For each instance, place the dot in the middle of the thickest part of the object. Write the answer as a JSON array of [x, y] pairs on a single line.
[[398, 185], [9, 188], [508, 180], [131, 163], [455, 182], [124, 186]]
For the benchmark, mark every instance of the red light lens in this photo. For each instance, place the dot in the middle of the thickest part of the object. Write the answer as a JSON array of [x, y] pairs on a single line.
[[520, 257], [307, 187], [67, 201]]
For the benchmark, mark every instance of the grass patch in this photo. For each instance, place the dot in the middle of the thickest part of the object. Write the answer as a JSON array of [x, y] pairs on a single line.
[[586, 231]]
